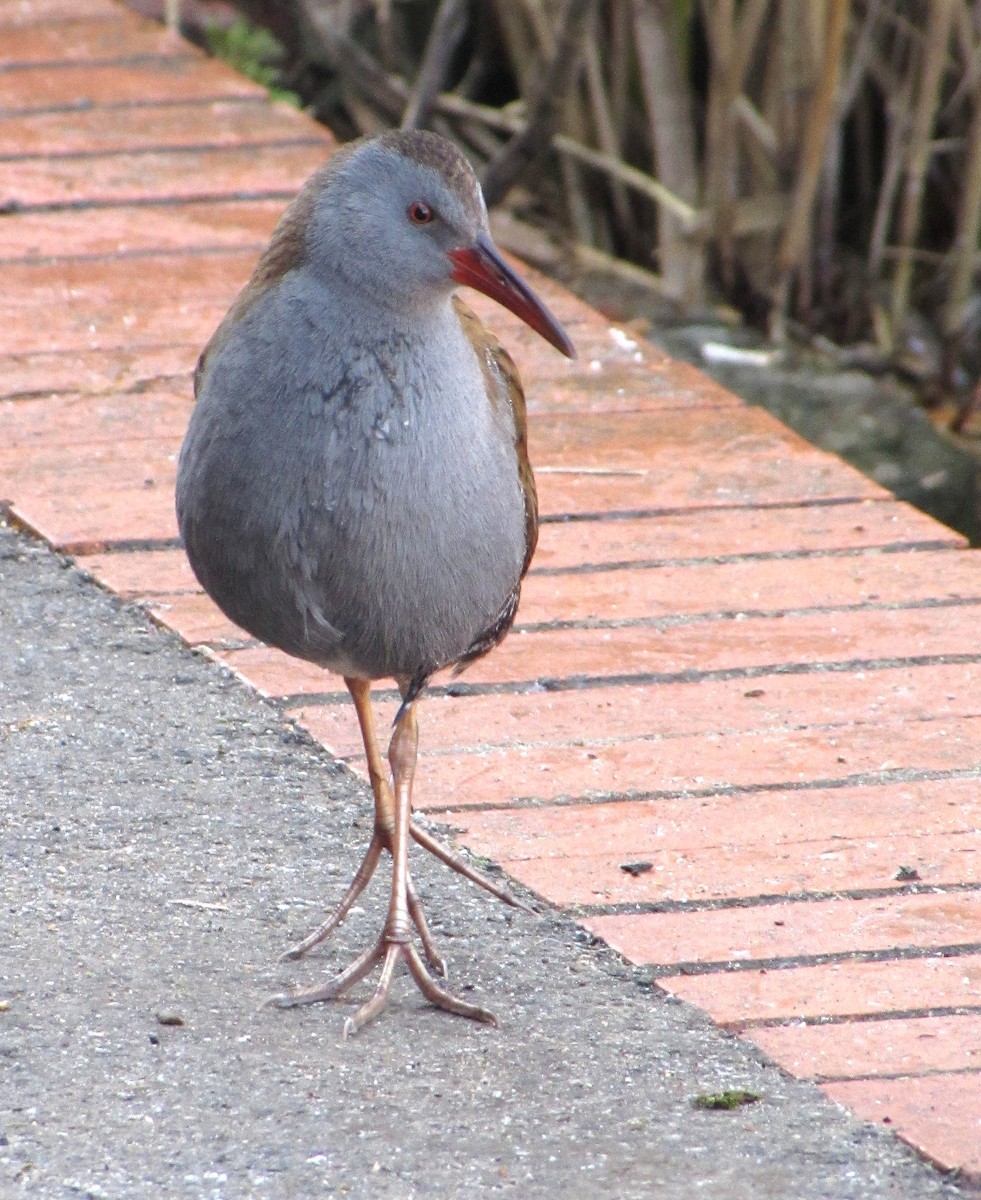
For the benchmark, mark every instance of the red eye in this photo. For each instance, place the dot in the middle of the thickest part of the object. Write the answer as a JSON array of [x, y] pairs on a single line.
[[420, 213]]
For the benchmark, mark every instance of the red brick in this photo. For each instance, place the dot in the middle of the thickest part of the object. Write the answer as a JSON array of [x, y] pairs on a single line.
[[185, 227], [753, 585], [733, 869], [335, 726], [236, 122], [903, 1046], [34, 428], [84, 523], [526, 772], [722, 475], [824, 704], [94, 371], [92, 305], [940, 1115], [704, 533], [120, 491], [161, 175], [604, 378], [196, 618], [646, 722], [745, 845], [273, 673], [818, 927], [638, 442], [84, 40], [140, 574], [76, 86], [709, 762], [724, 645], [633, 388], [667, 825], [835, 989], [16, 13]]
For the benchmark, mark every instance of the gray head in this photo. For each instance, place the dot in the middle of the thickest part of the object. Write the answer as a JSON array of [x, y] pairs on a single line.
[[401, 220], [392, 211]]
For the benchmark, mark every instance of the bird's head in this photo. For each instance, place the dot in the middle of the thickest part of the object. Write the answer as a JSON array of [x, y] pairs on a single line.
[[402, 217]]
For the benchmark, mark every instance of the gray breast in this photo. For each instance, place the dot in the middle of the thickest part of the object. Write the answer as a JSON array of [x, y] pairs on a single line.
[[352, 499]]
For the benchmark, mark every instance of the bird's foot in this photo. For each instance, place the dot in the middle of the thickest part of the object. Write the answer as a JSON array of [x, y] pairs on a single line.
[[362, 877], [379, 842], [387, 951]]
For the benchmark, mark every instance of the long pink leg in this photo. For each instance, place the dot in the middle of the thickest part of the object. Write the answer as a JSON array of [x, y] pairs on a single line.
[[395, 940], [381, 839]]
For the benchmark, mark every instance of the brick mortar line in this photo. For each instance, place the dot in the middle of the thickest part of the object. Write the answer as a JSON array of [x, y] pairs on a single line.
[[137, 389], [166, 148], [50, 260], [767, 900], [86, 64], [652, 564], [864, 779], [792, 962], [144, 545], [42, 21], [121, 545], [612, 515], [807, 610], [232, 197], [892, 1076], [585, 683], [115, 105], [657, 738], [857, 1018], [661, 623], [643, 514]]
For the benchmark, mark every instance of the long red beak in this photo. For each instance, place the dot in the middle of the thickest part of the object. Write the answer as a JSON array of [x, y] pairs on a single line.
[[480, 266]]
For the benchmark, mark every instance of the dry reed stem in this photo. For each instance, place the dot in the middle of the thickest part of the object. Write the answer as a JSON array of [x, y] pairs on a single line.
[[807, 111]]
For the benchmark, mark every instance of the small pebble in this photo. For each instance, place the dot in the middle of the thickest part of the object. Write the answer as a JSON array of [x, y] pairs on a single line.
[[166, 1017]]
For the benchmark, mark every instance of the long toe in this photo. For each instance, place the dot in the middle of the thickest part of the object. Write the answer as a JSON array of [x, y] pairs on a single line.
[[388, 952], [362, 966], [440, 996], [462, 867], [418, 915], [361, 879]]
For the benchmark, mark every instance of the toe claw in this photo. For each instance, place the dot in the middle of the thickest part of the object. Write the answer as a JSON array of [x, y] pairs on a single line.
[[280, 1000], [388, 952]]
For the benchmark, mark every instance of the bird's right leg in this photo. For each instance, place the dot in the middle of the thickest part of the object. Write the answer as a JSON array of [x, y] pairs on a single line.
[[395, 940], [381, 839]]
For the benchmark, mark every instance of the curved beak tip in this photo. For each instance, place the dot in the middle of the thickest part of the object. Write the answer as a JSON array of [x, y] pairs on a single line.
[[481, 266]]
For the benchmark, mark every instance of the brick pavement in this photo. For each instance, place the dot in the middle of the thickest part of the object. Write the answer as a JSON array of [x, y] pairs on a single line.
[[736, 730]]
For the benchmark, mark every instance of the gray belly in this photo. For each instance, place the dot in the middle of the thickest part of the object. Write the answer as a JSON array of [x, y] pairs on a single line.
[[376, 542]]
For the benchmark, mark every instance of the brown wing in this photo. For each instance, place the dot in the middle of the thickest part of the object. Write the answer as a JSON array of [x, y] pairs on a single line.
[[503, 388]]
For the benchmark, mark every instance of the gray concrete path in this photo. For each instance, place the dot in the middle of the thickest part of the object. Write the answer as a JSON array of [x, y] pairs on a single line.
[[165, 836]]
